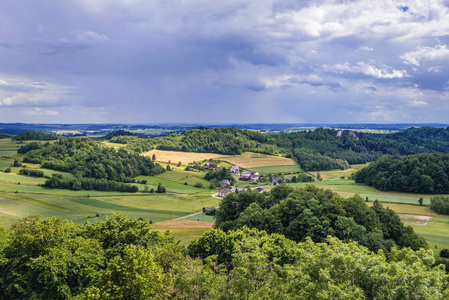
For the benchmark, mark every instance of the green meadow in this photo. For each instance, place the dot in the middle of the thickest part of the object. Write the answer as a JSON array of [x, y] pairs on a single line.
[[277, 169]]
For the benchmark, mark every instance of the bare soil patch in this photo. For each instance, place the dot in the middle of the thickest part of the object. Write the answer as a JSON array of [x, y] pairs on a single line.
[[415, 220], [183, 223]]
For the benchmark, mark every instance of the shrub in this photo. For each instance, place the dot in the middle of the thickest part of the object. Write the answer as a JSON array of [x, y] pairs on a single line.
[[198, 185], [444, 253]]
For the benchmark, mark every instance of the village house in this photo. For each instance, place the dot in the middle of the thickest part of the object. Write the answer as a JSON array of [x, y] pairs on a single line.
[[289, 178], [254, 175], [225, 183], [245, 175], [209, 166], [276, 180], [223, 192], [234, 169], [260, 190]]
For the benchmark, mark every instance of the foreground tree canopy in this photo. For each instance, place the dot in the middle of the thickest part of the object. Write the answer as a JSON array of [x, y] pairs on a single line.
[[123, 259], [311, 212], [422, 173]]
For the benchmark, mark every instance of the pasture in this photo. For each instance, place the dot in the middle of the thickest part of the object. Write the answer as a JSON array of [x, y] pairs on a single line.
[[277, 169]]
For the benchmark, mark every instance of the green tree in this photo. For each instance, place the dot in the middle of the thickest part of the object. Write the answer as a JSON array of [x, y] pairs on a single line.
[[133, 275]]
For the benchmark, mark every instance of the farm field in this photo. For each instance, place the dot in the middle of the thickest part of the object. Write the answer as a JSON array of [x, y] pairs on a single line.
[[8, 147], [183, 157], [185, 230], [249, 160], [337, 174], [154, 207], [21, 196]]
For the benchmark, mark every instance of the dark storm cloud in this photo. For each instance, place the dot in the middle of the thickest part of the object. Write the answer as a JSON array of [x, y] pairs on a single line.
[[166, 61]]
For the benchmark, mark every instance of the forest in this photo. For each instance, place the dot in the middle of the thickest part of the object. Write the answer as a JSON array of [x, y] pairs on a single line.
[[94, 165], [123, 258], [311, 212], [421, 173]]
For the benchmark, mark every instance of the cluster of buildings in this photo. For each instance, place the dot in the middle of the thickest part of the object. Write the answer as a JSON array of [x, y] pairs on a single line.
[[235, 170], [249, 175], [210, 166]]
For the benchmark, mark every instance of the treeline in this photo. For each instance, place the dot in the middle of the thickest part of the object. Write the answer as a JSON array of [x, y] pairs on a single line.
[[57, 182], [421, 173], [312, 162], [31, 172], [226, 140], [123, 259], [440, 204], [34, 135], [136, 144], [88, 158], [28, 147], [316, 213], [317, 150], [119, 132]]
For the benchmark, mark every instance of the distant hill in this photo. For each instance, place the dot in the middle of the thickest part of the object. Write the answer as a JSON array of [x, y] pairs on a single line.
[[34, 135], [320, 149]]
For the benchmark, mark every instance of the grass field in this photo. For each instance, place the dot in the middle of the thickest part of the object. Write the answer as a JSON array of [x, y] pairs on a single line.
[[4, 164], [8, 147], [348, 188], [436, 232], [277, 169], [185, 229], [337, 174], [113, 145]]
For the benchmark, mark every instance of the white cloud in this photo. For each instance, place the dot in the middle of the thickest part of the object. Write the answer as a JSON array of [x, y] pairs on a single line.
[[21, 91], [366, 48], [86, 36], [39, 112], [366, 69], [439, 52], [435, 69]]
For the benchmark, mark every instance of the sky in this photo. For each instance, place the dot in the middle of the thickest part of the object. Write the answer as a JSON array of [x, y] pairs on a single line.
[[229, 61]]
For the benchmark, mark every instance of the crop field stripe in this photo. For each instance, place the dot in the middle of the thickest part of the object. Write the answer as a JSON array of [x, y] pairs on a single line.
[[111, 206]]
